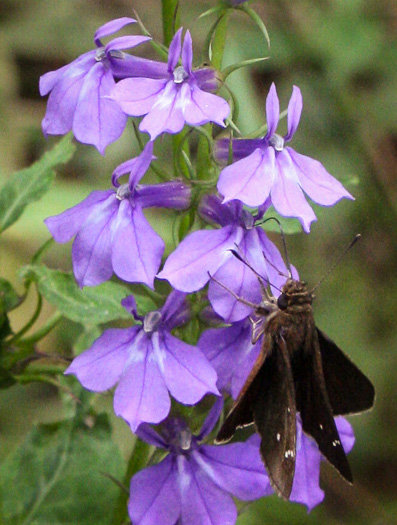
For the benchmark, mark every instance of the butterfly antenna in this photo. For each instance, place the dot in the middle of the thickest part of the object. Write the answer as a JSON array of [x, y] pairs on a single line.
[[284, 244], [237, 297], [338, 260]]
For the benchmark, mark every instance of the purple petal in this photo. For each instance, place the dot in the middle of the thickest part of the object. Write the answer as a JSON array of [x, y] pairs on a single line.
[[63, 98], [166, 115], [295, 106], [200, 253], [241, 148], [111, 27], [202, 502], [306, 488], [187, 53], [146, 433], [67, 224], [141, 395], [314, 179], [211, 419], [211, 209], [250, 179], [346, 433], [176, 310], [154, 496], [129, 304], [141, 165], [48, 80], [236, 468], [277, 272], [136, 248], [132, 66], [136, 96], [187, 373], [287, 196], [100, 367], [92, 247], [172, 194], [231, 353], [125, 42], [272, 111], [201, 107], [98, 120], [174, 51]]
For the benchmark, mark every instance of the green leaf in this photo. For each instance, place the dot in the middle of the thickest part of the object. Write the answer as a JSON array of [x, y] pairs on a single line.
[[92, 305], [59, 476], [288, 225], [9, 299], [32, 183]]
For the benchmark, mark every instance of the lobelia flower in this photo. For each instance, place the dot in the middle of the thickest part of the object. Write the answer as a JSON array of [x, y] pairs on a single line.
[[111, 231], [194, 483], [147, 363], [78, 100], [267, 168], [175, 99], [207, 252]]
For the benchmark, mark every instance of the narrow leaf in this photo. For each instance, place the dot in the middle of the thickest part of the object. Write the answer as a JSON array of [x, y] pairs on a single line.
[[32, 183]]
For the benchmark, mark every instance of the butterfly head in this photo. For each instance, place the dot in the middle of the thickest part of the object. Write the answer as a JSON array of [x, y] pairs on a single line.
[[294, 294]]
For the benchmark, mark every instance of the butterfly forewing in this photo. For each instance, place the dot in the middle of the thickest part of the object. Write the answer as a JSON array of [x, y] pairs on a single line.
[[349, 390], [274, 412]]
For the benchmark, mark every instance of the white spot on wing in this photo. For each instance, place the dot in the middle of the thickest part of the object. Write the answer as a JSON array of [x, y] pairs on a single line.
[[278, 437]]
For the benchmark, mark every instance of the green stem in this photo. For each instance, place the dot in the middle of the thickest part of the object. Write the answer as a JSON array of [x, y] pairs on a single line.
[[43, 331], [30, 323], [170, 19], [219, 42]]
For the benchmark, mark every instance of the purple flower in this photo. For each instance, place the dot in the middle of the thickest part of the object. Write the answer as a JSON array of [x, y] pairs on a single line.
[[267, 168], [231, 353], [78, 98], [148, 363], [175, 99], [112, 233], [207, 252], [194, 483]]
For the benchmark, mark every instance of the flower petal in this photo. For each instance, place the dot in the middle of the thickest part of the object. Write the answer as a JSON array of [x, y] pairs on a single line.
[[250, 179], [67, 224], [154, 497], [136, 248], [141, 395], [174, 51], [272, 111], [98, 120], [92, 247], [201, 500], [187, 53], [236, 468], [295, 106], [187, 372], [286, 194], [111, 27], [314, 179], [201, 107], [136, 96], [100, 367], [199, 254], [346, 433]]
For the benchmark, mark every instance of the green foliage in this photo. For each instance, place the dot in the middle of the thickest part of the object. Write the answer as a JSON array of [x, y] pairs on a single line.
[[59, 476], [96, 305], [32, 183]]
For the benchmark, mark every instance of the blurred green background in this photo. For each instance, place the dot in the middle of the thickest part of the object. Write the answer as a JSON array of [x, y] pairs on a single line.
[[343, 56]]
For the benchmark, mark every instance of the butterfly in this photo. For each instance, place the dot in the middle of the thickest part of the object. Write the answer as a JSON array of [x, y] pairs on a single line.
[[299, 370]]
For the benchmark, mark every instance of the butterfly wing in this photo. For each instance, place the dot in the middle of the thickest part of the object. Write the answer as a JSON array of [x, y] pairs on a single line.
[[315, 407], [241, 413], [274, 414], [349, 390]]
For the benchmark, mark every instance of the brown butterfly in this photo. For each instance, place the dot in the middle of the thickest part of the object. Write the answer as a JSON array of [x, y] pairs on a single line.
[[299, 369]]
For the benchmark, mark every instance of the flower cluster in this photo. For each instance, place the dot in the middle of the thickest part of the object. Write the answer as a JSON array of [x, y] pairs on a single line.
[[93, 96]]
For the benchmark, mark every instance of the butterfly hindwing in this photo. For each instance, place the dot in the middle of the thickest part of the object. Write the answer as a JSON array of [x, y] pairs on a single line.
[[349, 390], [316, 412]]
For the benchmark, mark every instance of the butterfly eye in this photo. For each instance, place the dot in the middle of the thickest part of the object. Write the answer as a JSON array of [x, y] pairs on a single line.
[[282, 301]]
